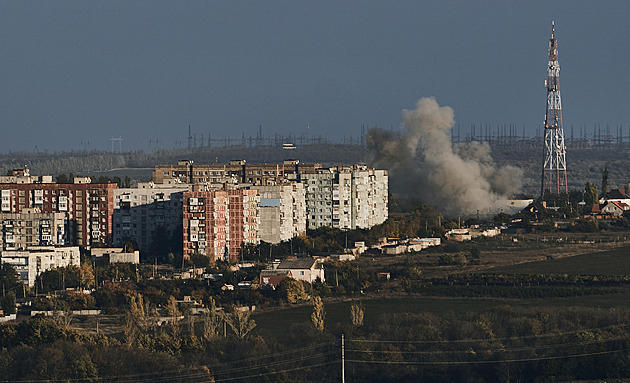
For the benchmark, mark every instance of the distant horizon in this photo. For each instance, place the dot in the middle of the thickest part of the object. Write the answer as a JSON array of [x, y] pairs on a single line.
[[76, 74]]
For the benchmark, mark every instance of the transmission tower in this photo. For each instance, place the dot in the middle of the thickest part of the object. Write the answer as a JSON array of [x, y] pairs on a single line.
[[554, 171]]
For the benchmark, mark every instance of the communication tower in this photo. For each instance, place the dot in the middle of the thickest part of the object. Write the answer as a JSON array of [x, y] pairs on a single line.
[[554, 171]]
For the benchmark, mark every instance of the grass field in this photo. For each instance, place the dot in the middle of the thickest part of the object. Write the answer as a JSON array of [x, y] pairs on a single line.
[[609, 262], [275, 323]]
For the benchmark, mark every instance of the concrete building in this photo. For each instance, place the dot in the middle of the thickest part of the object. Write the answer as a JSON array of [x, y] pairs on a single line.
[[237, 171], [139, 212], [108, 255], [30, 263], [30, 228], [282, 211], [346, 197], [217, 222], [87, 207]]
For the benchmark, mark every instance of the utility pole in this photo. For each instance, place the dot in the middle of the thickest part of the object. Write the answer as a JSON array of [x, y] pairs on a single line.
[[343, 361]]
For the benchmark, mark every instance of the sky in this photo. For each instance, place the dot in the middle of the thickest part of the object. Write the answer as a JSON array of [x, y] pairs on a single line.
[[74, 74]]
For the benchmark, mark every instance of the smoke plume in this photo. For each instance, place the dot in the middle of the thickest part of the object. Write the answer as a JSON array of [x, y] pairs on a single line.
[[422, 162]]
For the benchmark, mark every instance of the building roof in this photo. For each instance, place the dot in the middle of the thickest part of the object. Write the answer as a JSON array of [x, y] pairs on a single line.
[[300, 263], [620, 205], [616, 194], [275, 273]]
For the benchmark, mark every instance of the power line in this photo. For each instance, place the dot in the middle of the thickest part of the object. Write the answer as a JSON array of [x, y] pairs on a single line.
[[488, 340], [276, 372], [548, 346]]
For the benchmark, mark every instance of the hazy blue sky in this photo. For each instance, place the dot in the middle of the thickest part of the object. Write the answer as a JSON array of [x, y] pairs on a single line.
[[79, 71]]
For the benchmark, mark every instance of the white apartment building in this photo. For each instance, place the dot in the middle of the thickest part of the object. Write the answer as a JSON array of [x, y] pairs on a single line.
[[138, 212], [30, 263], [31, 227], [282, 211], [346, 197]]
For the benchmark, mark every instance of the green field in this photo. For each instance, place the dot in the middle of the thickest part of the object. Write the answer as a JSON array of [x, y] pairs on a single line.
[[610, 262]]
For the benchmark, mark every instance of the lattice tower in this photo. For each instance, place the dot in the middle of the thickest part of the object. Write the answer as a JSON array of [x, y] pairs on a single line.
[[554, 171]]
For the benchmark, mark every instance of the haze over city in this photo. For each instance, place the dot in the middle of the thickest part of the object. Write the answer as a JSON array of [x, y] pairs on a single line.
[[75, 73]]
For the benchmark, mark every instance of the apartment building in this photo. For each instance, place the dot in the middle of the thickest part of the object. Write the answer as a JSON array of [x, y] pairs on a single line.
[[30, 263], [217, 222], [346, 197], [87, 207], [139, 212], [30, 228], [282, 211], [235, 172]]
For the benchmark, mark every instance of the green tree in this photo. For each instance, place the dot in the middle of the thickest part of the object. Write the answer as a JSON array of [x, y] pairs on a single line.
[[7, 302], [590, 195], [9, 278]]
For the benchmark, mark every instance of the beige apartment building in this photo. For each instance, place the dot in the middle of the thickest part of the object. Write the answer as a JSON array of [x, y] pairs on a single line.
[[31, 227]]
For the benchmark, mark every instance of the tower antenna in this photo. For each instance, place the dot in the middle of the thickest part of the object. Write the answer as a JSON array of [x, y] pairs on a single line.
[[554, 170]]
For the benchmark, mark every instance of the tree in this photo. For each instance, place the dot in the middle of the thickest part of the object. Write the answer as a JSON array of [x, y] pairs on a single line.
[[590, 195], [501, 218], [292, 290], [211, 321], [8, 303], [9, 278], [318, 315], [356, 314], [240, 322]]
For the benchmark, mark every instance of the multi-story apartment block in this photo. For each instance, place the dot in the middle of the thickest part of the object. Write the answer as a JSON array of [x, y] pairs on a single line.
[[282, 211], [139, 212], [346, 197], [217, 222], [237, 171], [30, 228], [87, 207], [30, 263]]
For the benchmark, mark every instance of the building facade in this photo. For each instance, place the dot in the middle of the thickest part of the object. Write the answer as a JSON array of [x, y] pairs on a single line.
[[217, 222], [30, 228], [87, 207], [139, 212], [346, 197], [282, 211], [237, 171], [30, 263]]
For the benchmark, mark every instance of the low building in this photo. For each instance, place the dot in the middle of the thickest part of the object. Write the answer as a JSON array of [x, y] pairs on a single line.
[[104, 256], [618, 195], [396, 246], [610, 209], [458, 235], [303, 269], [273, 277], [30, 263]]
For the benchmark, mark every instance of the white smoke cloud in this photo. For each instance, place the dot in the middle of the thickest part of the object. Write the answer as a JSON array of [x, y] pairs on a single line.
[[422, 162]]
